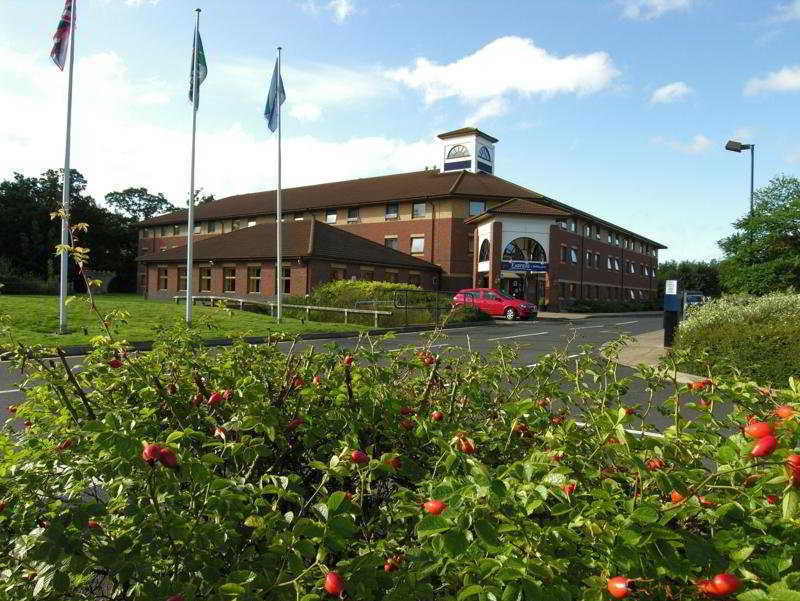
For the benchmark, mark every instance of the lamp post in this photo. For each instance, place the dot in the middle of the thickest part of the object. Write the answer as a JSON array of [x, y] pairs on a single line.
[[734, 146]]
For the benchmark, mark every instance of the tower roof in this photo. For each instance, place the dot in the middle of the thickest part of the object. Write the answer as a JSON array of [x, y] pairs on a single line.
[[464, 131]]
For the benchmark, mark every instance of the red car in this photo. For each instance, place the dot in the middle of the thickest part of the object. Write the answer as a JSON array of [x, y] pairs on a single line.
[[495, 302]]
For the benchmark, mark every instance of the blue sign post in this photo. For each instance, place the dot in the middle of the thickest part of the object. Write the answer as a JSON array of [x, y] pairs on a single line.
[[672, 307]]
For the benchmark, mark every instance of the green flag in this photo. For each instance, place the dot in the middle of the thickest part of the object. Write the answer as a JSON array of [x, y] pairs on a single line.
[[202, 70]]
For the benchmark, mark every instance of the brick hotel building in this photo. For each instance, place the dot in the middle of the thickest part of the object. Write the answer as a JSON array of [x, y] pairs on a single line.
[[451, 227]]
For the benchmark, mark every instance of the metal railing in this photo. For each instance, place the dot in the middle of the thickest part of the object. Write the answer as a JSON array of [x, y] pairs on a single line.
[[272, 304], [431, 307]]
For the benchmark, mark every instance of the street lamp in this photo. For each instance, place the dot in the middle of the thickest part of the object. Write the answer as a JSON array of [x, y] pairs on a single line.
[[735, 146]]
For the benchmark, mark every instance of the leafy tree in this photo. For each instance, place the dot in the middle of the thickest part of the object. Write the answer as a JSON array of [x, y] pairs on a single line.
[[763, 255], [692, 275], [138, 203]]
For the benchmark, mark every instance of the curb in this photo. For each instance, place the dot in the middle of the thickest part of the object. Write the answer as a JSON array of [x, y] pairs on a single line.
[[581, 316], [146, 345]]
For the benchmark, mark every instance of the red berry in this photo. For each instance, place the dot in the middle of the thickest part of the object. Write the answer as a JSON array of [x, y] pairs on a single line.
[[428, 359], [466, 445], [227, 394], [437, 416], [793, 465], [569, 488], [705, 502], [630, 411], [12, 409], [772, 499], [220, 433], [334, 585], [766, 445], [3, 506], [520, 428], [434, 506], [784, 412], [407, 424], [168, 458], [677, 497], [151, 453], [359, 457], [701, 384], [619, 587], [655, 464], [724, 584], [394, 463], [406, 411], [198, 399], [557, 458], [298, 382], [65, 444], [317, 380], [389, 566], [294, 424], [215, 399], [92, 524], [348, 360], [27, 423], [557, 419], [757, 429], [115, 363]]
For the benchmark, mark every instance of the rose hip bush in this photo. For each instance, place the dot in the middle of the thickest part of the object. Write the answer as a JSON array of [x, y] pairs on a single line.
[[255, 473]]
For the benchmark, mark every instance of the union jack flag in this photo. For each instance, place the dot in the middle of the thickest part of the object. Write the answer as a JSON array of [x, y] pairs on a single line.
[[61, 37]]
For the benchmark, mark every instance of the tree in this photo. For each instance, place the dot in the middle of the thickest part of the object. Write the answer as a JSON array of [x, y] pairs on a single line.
[[763, 255], [692, 275], [138, 203]]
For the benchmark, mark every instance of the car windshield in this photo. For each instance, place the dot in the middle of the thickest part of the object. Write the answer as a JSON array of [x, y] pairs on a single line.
[[503, 296]]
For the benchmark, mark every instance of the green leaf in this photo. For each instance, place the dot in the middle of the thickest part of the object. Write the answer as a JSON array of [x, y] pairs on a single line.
[[646, 514], [309, 597], [554, 478], [784, 595], [211, 458], [753, 595], [335, 501], [455, 542], [176, 435], [232, 588], [487, 533], [470, 591], [790, 500], [742, 554], [432, 524]]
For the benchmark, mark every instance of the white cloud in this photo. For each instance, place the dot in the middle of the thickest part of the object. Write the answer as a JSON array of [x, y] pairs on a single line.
[[743, 134], [116, 145], [786, 12], [697, 145], [341, 9], [508, 64], [671, 92], [305, 111], [785, 80], [793, 157], [140, 2], [494, 107], [651, 9]]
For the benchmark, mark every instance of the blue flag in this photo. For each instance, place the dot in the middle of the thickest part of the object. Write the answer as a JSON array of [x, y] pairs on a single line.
[[276, 97]]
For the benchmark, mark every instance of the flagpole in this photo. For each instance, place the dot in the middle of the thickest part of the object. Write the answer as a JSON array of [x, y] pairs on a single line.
[[190, 226], [62, 289], [278, 262]]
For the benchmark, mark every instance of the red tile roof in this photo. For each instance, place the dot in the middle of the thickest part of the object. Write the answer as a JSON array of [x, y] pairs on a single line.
[[308, 238]]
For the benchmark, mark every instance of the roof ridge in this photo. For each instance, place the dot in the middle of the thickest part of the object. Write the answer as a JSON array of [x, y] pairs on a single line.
[[456, 183]]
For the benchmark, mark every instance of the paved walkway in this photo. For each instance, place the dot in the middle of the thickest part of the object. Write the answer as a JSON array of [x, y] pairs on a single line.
[[556, 315], [648, 348]]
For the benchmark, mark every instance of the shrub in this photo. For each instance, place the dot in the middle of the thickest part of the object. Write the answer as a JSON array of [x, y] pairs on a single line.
[[260, 495], [13, 281], [756, 337]]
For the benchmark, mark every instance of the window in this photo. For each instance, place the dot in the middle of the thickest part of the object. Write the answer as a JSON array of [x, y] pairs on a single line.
[[197, 229], [587, 230], [484, 154], [417, 245], [597, 260], [562, 290], [418, 209], [616, 240], [632, 267], [352, 214], [610, 237], [229, 279], [573, 255], [163, 231], [610, 263], [330, 215], [145, 232], [631, 294], [176, 230], [415, 279], [205, 279], [162, 278], [337, 273], [471, 245], [587, 291], [391, 211], [484, 254], [476, 207], [253, 280], [287, 280], [298, 217], [181, 279], [234, 225], [390, 243], [212, 226], [458, 151], [562, 223], [597, 234], [563, 254], [367, 274], [390, 276], [573, 225], [588, 258], [573, 290], [489, 296]]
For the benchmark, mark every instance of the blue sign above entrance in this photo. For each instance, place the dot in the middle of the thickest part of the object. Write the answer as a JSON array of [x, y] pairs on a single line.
[[525, 266]]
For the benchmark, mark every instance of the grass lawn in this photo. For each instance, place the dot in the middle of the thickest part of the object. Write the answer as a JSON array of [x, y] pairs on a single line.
[[34, 320]]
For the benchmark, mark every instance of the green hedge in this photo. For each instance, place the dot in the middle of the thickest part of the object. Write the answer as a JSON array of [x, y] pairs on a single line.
[[754, 336]]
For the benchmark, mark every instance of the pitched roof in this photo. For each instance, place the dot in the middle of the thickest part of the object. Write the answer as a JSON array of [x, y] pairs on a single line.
[[519, 206], [308, 238], [464, 131]]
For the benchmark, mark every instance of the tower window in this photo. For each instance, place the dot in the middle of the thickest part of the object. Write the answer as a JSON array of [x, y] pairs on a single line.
[[458, 151], [484, 154], [476, 207]]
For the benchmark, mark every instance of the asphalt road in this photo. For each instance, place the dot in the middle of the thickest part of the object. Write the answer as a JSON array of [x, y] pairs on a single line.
[[533, 339]]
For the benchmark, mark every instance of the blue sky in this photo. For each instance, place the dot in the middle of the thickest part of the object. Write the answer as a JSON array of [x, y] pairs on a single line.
[[618, 107]]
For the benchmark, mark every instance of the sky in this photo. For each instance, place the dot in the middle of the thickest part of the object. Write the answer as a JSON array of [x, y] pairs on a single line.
[[618, 107]]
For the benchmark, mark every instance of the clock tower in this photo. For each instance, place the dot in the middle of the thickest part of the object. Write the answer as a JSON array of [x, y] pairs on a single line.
[[467, 149]]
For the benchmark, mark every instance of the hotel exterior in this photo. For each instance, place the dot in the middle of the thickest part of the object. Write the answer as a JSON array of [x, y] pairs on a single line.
[[452, 227]]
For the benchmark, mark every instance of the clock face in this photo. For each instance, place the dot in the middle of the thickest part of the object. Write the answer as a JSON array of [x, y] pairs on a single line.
[[458, 151]]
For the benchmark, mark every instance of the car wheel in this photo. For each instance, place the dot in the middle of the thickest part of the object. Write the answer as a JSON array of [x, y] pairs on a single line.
[[511, 314]]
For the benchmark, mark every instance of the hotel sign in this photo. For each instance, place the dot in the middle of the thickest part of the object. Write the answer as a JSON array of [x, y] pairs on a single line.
[[525, 266]]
